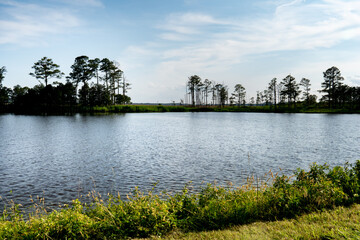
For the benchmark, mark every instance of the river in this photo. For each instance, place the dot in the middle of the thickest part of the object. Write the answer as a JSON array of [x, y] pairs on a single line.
[[61, 158]]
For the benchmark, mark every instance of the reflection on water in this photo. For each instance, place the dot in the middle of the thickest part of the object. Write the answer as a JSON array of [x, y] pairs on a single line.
[[64, 157]]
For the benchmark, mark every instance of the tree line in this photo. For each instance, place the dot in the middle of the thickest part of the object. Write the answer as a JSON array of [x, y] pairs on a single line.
[[288, 92], [109, 87]]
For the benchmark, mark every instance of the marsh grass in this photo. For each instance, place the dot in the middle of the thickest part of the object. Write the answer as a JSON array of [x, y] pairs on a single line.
[[182, 108], [213, 208]]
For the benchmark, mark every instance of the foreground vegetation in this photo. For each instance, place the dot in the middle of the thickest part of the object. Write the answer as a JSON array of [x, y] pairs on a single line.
[[339, 223], [214, 207]]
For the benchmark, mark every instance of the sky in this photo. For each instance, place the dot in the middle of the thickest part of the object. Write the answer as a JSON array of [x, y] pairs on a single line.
[[161, 43]]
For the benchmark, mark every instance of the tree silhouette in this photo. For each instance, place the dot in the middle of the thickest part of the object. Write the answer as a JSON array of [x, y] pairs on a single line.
[[45, 68], [2, 74], [306, 84], [273, 87], [81, 72], [94, 64], [223, 94], [332, 82], [290, 89], [239, 94], [207, 89], [193, 83]]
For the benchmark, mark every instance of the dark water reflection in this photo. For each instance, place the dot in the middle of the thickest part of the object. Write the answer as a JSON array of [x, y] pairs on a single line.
[[63, 157]]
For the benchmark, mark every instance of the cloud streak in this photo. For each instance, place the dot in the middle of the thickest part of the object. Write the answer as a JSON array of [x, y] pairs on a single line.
[[29, 24], [199, 43], [297, 25], [190, 26]]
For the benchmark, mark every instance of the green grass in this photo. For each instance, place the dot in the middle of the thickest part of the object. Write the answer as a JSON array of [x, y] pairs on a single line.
[[170, 108], [339, 223], [283, 108], [138, 108], [213, 208], [149, 108]]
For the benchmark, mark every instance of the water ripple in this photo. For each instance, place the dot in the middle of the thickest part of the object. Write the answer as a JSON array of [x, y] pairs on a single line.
[[62, 158]]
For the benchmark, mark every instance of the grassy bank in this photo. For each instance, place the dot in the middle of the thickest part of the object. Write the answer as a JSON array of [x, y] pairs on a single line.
[[72, 109], [215, 207], [338, 223], [177, 108]]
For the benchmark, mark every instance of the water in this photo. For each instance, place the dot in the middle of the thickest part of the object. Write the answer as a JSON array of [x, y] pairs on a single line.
[[62, 158]]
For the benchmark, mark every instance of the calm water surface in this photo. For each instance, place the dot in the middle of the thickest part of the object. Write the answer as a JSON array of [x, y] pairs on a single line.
[[61, 158]]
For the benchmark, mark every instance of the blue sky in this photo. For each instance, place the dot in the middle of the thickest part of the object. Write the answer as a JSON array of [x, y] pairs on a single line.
[[160, 43]]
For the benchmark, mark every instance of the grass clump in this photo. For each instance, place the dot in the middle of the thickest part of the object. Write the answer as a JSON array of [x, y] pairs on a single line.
[[214, 207]]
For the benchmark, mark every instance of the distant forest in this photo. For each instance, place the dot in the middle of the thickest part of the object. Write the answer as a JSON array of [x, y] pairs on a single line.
[[111, 87], [288, 93]]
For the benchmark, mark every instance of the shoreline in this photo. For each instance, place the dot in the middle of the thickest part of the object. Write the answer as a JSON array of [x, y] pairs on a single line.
[[71, 110]]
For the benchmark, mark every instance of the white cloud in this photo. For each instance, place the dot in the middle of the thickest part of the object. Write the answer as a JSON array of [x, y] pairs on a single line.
[[27, 24], [297, 25], [294, 26], [178, 26], [211, 47]]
